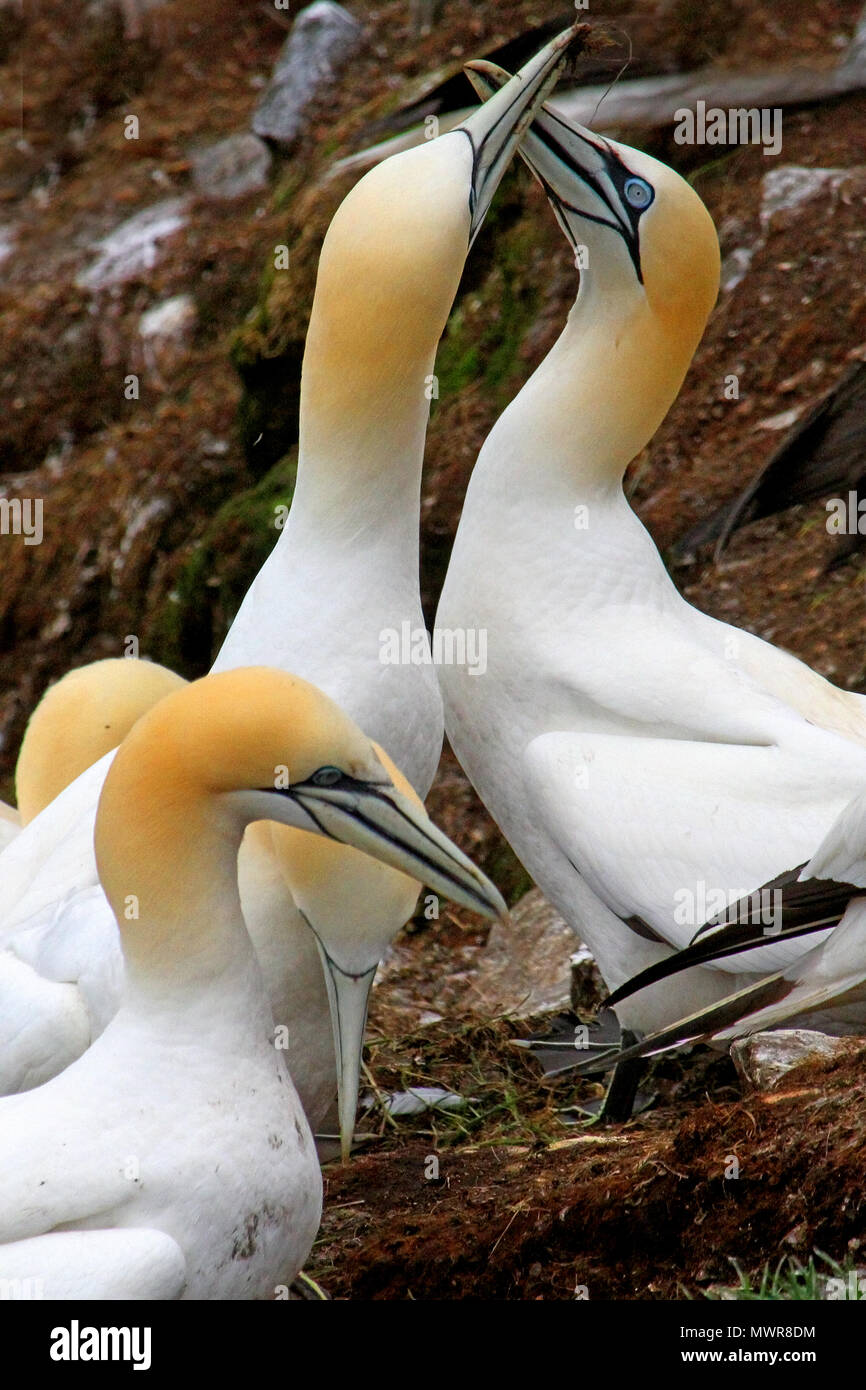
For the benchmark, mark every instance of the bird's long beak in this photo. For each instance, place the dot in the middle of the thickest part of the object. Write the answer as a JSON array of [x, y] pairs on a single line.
[[581, 173], [497, 128], [348, 996], [379, 820]]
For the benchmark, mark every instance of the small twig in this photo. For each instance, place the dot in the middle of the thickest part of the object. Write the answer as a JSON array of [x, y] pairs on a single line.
[[380, 1099], [517, 1210]]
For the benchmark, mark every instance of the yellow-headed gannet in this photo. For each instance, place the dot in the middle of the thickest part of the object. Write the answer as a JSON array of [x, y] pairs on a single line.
[[643, 759], [49, 1021], [344, 571], [174, 1156]]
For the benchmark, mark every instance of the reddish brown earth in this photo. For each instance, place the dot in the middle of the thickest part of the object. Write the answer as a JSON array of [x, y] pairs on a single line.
[[524, 1207], [634, 1212]]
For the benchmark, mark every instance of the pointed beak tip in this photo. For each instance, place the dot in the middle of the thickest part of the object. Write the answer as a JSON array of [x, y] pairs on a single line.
[[528, 91], [496, 907]]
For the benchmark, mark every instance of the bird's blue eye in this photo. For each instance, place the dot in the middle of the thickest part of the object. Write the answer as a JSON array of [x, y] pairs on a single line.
[[326, 777], [638, 193]]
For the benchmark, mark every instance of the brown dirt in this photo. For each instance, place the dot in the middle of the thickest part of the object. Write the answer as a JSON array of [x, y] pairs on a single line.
[[635, 1212]]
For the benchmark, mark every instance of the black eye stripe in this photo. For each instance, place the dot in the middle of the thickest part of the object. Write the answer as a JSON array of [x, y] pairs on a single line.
[[626, 221]]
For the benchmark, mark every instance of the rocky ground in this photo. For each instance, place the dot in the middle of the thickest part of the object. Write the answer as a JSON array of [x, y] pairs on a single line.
[[159, 507]]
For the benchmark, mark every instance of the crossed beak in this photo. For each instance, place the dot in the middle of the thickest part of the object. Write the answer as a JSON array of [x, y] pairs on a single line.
[[496, 129], [581, 173]]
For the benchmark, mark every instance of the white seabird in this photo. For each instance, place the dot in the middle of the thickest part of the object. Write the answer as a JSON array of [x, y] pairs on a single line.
[[344, 570], [173, 1159], [633, 750]]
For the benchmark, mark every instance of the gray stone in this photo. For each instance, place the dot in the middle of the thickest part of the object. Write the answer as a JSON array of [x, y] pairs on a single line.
[[789, 185], [525, 968], [131, 248], [232, 168], [736, 266], [323, 38], [166, 331], [762, 1059]]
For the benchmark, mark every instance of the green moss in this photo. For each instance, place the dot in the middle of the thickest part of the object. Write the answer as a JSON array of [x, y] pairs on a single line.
[[490, 321], [286, 189], [505, 869], [189, 629]]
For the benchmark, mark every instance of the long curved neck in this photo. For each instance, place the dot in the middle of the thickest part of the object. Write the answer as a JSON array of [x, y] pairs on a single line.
[[350, 541], [168, 864], [596, 400], [362, 431]]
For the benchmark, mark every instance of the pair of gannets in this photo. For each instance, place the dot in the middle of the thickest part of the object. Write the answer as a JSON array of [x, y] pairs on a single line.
[[191, 1003], [637, 754], [174, 1159]]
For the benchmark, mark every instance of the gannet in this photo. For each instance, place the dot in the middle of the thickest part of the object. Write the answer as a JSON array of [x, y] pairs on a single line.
[[84, 715], [48, 1022], [47, 1019], [173, 1160], [633, 750], [344, 570]]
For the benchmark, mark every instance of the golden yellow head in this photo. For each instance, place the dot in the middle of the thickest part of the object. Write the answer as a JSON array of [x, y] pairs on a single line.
[[677, 247], [394, 252], [257, 744], [642, 238], [244, 729], [389, 270], [86, 714]]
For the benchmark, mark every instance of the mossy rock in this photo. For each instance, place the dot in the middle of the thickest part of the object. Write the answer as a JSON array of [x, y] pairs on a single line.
[[187, 632]]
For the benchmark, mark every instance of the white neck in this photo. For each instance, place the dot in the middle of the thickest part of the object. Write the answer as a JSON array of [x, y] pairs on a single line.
[[172, 883]]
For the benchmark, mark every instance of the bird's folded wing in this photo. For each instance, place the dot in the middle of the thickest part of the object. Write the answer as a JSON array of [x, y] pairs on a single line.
[[782, 910], [44, 1026], [841, 855], [671, 830], [53, 856], [114, 1264], [829, 979]]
